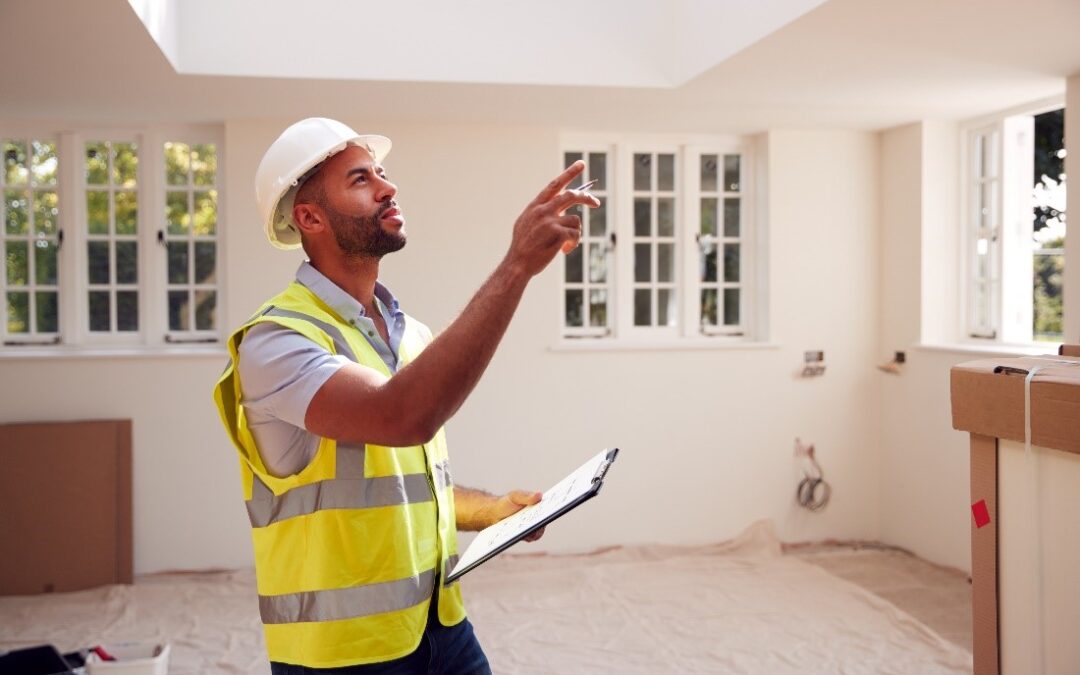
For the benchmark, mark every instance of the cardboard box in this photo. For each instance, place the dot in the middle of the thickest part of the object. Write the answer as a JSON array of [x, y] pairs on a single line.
[[988, 402], [65, 506]]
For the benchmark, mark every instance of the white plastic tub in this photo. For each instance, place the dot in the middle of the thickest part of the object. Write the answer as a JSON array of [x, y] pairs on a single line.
[[132, 658]]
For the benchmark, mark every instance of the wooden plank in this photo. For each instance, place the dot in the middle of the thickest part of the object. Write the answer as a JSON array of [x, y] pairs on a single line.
[[984, 556]]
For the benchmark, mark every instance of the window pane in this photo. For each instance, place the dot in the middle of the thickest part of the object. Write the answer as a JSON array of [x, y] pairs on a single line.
[[666, 172], [642, 216], [206, 262], [731, 262], [708, 273], [127, 262], [708, 215], [1049, 272], [731, 173], [205, 213], [179, 318], [178, 262], [731, 216], [665, 307], [708, 307], [47, 313], [18, 308], [45, 262], [982, 258], [983, 162], [598, 307], [665, 262], [204, 163], [708, 173], [574, 299], [598, 169], [597, 263], [574, 265], [97, 211], [205, 302], [665, 216], [731, 306], [642, 307], [46, 211], [177, 163], [642, 262], [127, 311], [18, 263], [97, 164], [15, 169], [642, 172], [44, 162], [17, 218], [97, 253], [125, 164], [99, 311], [127, 212], [986, 197], [982, 296], [598, 219], [176, 212], [568, 159]]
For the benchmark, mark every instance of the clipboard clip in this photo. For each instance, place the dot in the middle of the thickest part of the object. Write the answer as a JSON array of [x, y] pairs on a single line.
[[603, 468]]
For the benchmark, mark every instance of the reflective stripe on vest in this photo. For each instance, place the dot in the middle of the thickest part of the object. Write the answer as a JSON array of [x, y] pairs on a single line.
[[350, 603], [348, 490]]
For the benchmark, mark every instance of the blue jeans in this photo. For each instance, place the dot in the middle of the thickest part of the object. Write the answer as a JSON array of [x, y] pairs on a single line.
[[444, 650]]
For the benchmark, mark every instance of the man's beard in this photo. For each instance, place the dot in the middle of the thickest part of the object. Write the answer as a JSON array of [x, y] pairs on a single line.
[[362, 236]]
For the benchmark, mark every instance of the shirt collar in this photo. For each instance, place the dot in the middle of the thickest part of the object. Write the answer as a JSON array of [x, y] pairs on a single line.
[[346, 306]]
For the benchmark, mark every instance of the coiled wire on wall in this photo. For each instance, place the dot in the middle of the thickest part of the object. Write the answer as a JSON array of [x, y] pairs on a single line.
[[813, 492]]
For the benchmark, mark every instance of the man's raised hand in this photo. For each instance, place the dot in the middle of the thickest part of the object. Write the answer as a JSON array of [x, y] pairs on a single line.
[[543, 228]]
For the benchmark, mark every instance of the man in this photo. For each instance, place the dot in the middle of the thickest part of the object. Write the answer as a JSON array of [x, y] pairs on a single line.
[[335, 400]]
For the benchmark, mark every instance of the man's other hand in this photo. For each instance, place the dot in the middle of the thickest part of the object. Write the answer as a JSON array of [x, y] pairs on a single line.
[[512, 502]]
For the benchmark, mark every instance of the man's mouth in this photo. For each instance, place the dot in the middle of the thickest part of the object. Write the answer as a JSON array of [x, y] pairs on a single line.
[[390, 211]]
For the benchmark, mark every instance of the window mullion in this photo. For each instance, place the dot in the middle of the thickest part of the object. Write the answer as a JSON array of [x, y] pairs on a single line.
[[153, 258], [690, 222], [72, 256]]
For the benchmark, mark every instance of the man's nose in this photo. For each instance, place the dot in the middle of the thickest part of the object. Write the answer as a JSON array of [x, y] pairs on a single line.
[[387, 190]]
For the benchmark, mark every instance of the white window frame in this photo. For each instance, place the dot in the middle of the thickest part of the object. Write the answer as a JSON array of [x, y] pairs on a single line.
[[35, 337], [688, 331], [72, 263], [1009, 231]]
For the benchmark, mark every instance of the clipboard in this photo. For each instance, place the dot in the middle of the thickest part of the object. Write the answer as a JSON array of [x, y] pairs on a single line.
[[569, 493]]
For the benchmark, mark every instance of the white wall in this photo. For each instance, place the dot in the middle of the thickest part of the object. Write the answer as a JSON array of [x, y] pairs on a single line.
[[706, 435]]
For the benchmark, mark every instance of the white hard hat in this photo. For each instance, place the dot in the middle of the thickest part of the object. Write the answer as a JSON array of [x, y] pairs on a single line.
[[297, 150]]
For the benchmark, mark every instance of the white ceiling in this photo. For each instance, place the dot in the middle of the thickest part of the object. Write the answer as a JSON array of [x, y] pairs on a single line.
[[620, 43], [846, 64]]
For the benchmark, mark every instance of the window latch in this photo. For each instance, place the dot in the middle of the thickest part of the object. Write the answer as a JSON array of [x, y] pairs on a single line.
[[161, 239], [59, 239]]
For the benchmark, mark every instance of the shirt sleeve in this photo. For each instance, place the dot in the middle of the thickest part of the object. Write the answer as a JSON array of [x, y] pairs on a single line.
[[281, 370]]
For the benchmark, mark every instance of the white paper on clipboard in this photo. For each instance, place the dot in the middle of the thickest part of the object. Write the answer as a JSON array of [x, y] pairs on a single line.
[[579, 486]]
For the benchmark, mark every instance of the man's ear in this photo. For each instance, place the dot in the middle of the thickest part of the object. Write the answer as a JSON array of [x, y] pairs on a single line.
[[309, 218]]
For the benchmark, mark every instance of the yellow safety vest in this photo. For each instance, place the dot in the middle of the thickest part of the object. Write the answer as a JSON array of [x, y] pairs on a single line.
[[347, 551]]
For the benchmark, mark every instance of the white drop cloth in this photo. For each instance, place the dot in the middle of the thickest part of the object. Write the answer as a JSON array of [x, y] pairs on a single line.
[[738, 607]]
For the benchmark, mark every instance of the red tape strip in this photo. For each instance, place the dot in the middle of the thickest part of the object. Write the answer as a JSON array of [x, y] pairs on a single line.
[[981, 513]]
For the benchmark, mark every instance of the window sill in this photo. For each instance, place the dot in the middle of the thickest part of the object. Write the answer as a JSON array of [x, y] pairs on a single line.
[[217, 351], [687, 344], [991, 349]]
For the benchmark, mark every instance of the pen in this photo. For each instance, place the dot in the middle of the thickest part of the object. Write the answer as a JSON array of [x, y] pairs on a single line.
[[588, 185]]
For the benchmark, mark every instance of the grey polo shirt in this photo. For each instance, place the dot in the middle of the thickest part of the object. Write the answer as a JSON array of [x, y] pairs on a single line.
[[281, 370]]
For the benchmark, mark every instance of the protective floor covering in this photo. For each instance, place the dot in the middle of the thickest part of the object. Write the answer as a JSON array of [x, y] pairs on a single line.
[[738, 607]]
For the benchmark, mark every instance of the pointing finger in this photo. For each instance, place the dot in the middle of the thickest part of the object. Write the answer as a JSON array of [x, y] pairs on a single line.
[[559, 183]]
